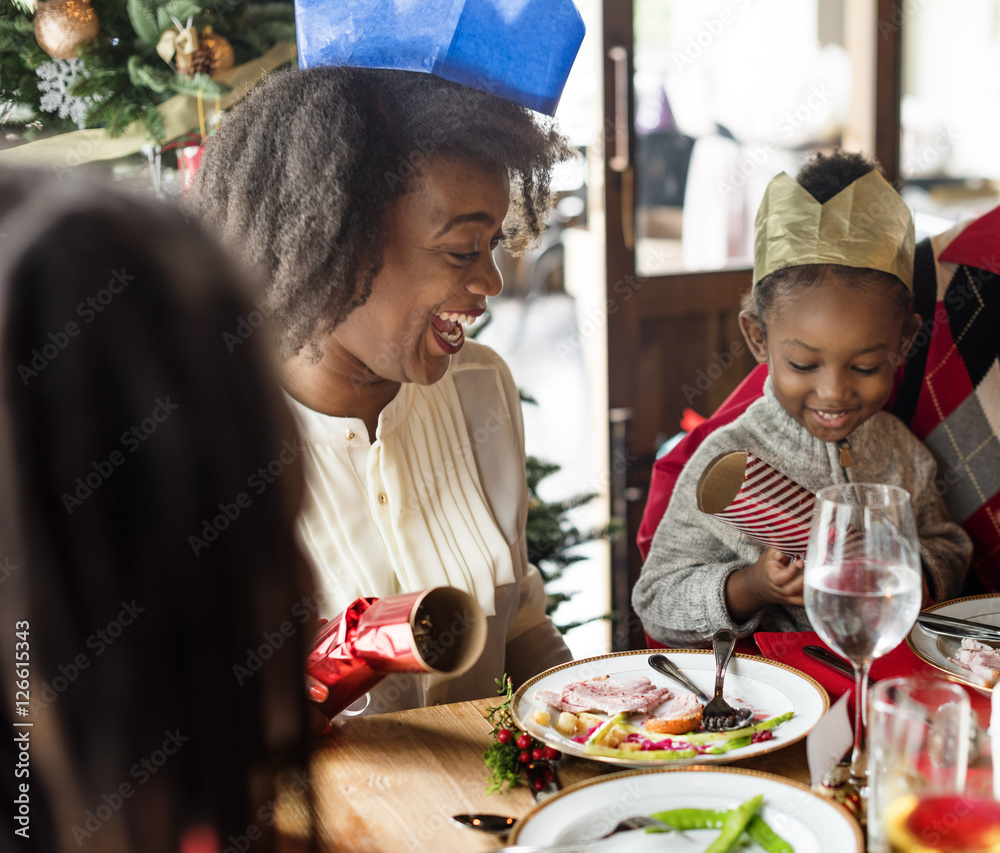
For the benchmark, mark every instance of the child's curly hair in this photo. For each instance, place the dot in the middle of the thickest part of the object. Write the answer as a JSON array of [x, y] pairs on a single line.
[[300, 177], [824, 175]]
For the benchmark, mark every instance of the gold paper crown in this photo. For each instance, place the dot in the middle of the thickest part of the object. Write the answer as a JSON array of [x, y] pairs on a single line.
[[866, 224]]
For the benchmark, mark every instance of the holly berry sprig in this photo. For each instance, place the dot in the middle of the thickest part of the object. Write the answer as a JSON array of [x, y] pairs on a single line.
[[512, 752]]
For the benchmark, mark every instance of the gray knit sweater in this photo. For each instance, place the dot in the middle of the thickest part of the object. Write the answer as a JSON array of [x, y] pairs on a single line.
[[680, 595]]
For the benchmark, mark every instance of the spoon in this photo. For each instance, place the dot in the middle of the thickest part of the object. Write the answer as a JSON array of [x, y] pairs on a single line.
[[665, 666], [495, 824]]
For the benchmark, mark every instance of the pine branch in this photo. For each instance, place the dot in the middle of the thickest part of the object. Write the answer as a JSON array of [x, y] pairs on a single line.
[[96, 85], [152, 78], [106, 112], [180, 10], [208, 87], [154, 125], [269, 33], [269, 11], [18, 24], [142, 16]]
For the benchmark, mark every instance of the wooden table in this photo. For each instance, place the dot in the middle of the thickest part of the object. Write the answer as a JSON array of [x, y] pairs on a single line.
[[390, 782]]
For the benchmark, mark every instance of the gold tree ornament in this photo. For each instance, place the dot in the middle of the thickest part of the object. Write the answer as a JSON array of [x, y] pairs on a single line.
[[62, 27]]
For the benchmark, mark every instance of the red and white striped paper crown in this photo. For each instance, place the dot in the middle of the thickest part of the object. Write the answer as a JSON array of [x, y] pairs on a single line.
[[757, 499]]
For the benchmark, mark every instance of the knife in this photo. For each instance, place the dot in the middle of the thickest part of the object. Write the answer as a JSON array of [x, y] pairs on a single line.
[[940, 624], [829, 659], [837, 664]]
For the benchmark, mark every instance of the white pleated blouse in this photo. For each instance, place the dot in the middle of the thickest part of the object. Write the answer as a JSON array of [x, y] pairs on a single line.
[[439, 498]]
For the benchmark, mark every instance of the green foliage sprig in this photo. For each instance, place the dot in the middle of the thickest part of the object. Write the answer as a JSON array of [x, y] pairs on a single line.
[[503, 759], [121, 70], [552, 537]]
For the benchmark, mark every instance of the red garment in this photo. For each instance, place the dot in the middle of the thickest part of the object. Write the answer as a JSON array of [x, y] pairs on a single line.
[[668, 467], [977, 245], [954, 413]]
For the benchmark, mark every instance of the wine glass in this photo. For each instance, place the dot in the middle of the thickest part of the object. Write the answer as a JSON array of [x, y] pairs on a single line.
[[862, 582]]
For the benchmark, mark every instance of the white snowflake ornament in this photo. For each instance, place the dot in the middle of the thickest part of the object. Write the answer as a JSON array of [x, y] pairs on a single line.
[[55, 79]]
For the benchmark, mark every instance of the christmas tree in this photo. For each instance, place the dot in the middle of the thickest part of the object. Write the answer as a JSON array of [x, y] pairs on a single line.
[[68, 64]]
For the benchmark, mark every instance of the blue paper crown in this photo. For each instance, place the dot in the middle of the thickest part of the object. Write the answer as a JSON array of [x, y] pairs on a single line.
[[521, 50]]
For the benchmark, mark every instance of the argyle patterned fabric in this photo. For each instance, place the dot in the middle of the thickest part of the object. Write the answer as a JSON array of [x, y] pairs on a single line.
[[958, 411]]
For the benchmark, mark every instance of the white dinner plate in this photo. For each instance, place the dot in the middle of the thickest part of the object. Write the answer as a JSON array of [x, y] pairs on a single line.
[[937, 649], [769, 688], [810, 823]]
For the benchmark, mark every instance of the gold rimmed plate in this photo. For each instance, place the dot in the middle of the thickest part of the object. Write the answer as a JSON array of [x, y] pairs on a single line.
[[768, 687], [939, 649], [808, 822]]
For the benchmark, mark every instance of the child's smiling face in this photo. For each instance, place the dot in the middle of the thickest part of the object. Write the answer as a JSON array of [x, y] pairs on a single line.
[[831, 350]]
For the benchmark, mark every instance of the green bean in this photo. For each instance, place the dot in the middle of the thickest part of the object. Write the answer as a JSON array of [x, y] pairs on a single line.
[[691, 819], [756, 827], [734, 824], [765, 837], [746, 731], [605, 727], [726, 745], [637, 754]]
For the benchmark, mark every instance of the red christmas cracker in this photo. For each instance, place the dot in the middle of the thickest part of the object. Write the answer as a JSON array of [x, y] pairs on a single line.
[[757, 499], [439, 630]]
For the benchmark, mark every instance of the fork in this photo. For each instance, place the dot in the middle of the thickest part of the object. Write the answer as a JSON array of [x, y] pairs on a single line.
[[626, 825], [718, 715], [638, 822]]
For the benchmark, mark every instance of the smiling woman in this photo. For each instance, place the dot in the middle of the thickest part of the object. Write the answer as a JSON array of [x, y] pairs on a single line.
[[373, 201]]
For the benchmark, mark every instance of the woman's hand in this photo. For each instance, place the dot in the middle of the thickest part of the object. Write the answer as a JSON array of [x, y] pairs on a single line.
[[774, 579], [318, 693]]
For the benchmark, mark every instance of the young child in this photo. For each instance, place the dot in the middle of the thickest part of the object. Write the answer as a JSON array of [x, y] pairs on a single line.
[[830, 313]]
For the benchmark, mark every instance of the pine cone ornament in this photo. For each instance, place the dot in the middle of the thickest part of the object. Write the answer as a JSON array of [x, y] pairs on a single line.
[[201, 61], [62, 27], [220, 50]]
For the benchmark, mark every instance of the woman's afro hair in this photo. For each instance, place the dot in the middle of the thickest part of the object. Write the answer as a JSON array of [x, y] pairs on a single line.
[[301, 175]]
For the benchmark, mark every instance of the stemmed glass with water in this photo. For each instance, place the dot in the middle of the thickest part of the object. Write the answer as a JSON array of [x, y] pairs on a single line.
[[862, 582]]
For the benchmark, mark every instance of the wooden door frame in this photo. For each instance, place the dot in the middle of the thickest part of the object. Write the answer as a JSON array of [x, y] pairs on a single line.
[[629, 477]]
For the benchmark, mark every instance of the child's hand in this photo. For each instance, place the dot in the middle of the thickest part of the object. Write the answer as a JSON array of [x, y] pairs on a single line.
[[774, 579]]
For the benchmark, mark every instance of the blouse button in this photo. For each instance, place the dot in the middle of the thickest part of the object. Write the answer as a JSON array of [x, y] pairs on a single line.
[[349, 434], [383, 499]]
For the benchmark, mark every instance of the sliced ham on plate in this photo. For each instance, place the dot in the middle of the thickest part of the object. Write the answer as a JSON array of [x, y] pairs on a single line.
[[610, 695], [981, 659]]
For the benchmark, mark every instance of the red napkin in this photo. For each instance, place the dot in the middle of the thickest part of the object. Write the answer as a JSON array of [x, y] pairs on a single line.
[[787, 648]]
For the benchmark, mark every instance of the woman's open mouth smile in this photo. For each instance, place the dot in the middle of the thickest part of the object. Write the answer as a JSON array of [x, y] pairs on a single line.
[[448, 327]]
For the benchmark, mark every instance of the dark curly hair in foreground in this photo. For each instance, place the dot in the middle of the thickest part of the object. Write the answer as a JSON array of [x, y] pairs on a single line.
[[300, 178], [117, 408], [824, 175]]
